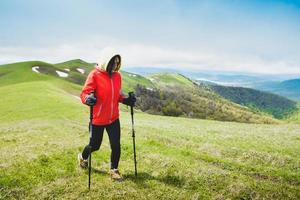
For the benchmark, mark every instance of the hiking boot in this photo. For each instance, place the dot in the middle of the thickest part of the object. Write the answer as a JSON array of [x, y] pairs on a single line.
[[115, 175], [82, 163]]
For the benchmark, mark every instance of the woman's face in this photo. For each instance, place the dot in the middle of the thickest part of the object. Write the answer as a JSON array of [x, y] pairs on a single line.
[[113, 64], [116, 63]]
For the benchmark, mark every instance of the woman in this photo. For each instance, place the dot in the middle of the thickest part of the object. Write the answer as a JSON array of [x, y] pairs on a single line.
[[102, 90]]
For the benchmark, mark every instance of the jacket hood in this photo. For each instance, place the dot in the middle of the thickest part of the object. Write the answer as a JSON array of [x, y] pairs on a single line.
[[104, 59]]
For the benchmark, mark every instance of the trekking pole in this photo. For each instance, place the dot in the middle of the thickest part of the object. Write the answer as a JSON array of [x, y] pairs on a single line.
[[90, 165], [90, 147], [131, 94]]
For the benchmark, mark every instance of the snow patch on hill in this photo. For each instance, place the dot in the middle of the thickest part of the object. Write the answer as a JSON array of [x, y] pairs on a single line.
[[61, 74], [80, 70], [35, 69]]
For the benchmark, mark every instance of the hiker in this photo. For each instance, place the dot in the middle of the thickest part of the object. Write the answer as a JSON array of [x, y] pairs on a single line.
[[105, 82]]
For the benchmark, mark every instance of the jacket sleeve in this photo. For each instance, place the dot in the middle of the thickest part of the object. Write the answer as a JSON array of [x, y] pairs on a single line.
[[88, 87], [121, 95]]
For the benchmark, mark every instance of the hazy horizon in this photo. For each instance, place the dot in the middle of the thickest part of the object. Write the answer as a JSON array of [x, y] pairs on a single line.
[[179, 69]]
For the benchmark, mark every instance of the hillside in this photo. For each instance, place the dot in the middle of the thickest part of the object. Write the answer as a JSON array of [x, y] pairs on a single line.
[[73, 64], [37, 70], [178, 158], [131, 80], [289, 88], [165, 80], [21, 72], [275, 105], [203, 103], [177, 95], [295, 117], [74, 71], [196, 104]]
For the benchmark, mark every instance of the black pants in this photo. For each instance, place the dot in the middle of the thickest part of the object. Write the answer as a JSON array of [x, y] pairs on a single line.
[[113, 131]]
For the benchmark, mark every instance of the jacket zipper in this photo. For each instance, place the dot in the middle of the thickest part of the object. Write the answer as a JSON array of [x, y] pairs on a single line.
[[99, 112], [112, 98]]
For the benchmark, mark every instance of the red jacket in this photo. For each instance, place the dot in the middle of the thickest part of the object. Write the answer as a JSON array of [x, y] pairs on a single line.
[[108, 93]]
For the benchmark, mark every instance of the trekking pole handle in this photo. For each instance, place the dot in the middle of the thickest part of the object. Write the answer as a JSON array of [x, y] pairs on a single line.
[[91, 114], [131, 95], [91, 107]]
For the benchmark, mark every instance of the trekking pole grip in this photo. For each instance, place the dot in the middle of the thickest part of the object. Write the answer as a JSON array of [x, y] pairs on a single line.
[[131, 95]]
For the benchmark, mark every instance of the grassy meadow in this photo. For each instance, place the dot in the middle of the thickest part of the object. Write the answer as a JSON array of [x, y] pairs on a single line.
[[43, 126]]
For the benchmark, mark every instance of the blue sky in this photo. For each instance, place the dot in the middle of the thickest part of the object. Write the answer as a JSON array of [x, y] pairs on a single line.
[[229, 35]]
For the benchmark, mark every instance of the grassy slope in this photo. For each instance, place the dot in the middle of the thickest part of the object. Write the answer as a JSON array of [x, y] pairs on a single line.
[[170, 79], [9, 74], [73, 64], [178, 158], [20, 72], [224, 110], [295, 118], [130, 80], [206, 160]]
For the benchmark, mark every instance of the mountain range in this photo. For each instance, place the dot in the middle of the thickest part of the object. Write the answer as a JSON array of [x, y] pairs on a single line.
[[284, 85]]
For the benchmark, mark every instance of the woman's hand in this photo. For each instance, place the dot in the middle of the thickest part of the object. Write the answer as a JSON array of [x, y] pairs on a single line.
[[91, 100], [129, 101]]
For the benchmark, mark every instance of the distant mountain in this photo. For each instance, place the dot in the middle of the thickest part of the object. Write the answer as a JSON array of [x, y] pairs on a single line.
[[291, 84], [288, 88], [273, 104], [284, 85]]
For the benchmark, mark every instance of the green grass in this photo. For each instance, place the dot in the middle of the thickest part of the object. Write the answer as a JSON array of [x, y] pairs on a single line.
[[295, 117], [130, 80], [43, 127], [73, 64], [170, 79], [21, 72]]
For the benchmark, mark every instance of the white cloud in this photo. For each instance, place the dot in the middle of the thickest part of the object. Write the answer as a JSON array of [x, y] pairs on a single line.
[[153, 56]]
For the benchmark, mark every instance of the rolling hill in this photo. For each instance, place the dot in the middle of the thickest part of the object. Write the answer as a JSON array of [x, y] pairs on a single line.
[[166, 80], [75, 71], [278, 106], [130, 80], [184, 97], [204, 103]]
